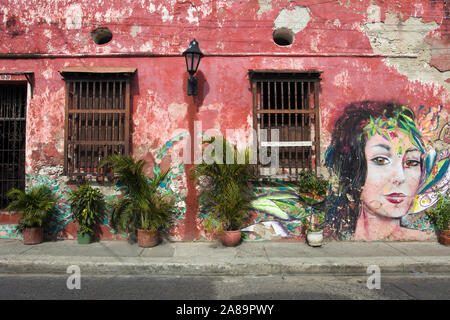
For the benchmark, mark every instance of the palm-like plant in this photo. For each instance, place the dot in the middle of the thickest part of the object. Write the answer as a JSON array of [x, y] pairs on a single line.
[[230, 199], [141, 206], [222, 172], [230, 206], [34, 206]]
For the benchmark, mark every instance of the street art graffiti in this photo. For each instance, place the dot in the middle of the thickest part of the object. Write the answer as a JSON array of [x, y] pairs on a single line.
[[386, 163], [174, 183], [387, 169], [9, 231], [278, 211], [437, 174]]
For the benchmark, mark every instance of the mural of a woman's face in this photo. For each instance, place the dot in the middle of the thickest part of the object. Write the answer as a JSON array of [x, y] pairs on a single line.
[[393, 174]]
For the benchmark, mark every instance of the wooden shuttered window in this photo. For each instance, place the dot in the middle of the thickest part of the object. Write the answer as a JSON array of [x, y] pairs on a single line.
[[13, 99], [288, 102], [97, 120]]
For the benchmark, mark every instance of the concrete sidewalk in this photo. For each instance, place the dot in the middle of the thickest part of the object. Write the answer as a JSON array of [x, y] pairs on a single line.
[[212, 258]]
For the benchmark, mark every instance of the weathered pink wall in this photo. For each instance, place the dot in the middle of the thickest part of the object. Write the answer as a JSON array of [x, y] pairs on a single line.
[[339, 39]]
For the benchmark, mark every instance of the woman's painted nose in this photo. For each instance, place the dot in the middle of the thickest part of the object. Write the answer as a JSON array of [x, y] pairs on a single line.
[[399, 173]]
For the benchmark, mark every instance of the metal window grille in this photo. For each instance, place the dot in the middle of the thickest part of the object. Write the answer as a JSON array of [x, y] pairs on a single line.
[[97, 122], [12, 139], [289, 102]]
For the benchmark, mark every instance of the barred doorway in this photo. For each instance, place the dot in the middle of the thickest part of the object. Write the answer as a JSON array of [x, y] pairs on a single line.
[[13, 98]]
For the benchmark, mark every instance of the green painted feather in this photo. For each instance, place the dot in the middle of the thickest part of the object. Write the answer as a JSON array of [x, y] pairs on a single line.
[[267, 205]]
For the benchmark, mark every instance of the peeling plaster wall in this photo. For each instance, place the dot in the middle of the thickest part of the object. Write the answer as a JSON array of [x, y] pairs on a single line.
[[394, 36], [369, 50], [162, 27], [295, 20]]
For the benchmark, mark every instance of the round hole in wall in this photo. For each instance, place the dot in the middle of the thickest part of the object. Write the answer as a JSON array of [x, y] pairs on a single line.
[[101, 35], [283, 37]]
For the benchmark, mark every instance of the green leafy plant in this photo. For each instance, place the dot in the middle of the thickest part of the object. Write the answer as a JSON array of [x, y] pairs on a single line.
[[313, 222], [88, 207], [229, 200], [312, 189], [440, 212], [141, 206], [34, 206], [310, 182]]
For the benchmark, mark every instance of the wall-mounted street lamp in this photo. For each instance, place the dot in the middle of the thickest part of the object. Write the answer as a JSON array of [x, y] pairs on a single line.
[[192, 56]]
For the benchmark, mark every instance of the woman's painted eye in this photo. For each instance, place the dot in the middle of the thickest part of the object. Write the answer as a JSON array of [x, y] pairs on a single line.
[[412, 163], [380, 161]]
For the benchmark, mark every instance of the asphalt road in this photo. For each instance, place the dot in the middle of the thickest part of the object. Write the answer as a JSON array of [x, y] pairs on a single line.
[[411, 286]]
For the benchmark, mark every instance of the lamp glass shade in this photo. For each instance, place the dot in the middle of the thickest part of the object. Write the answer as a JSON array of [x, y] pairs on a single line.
[[192, 56]]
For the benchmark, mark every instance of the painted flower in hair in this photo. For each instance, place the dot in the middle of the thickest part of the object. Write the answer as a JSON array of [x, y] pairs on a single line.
[[390, 124], [374, 126]]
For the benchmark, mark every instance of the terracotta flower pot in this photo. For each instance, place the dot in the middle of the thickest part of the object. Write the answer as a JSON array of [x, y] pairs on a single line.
[[231, 238], [444, 237], [32, 235], [148, 238]]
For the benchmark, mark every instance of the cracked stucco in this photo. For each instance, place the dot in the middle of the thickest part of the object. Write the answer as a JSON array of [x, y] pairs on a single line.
[[406, 38]]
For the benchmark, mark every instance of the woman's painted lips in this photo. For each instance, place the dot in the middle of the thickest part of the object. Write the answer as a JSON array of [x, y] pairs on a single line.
[[395, 197]]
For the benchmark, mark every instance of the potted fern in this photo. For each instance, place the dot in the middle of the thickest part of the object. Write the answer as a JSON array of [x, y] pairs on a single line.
[[229, 200], [87, 205], [440, 215], [141, 208], [35, 208]]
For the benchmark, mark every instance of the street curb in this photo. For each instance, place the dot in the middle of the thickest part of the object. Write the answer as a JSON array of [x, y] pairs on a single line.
[[160, 266]]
